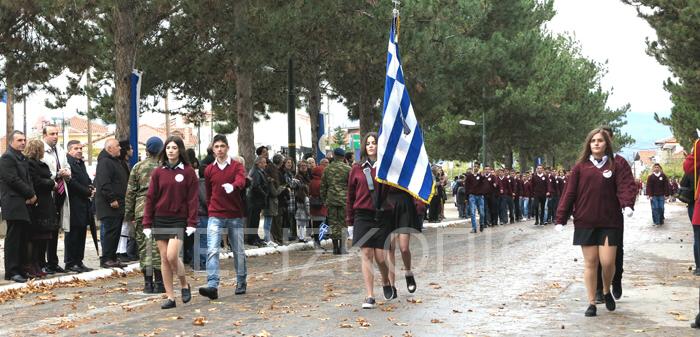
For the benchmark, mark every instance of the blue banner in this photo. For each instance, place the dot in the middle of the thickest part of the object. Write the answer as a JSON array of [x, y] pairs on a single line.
[[321, 131], [135, 82]]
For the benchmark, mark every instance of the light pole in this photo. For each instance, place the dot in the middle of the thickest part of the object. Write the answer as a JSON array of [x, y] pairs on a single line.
[[291, 113], [483, 134]]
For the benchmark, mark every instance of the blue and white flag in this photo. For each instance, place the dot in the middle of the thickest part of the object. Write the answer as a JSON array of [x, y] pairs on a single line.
[[135, 95], [3, 96], [402, 161], [321, 138]]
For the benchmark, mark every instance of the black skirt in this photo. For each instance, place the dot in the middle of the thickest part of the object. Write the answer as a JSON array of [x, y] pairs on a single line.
[[368, 232], [403, 218], [171, 227], [596, 236]]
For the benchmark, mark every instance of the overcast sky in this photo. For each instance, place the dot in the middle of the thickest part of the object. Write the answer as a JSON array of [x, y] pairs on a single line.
[[608, 31]]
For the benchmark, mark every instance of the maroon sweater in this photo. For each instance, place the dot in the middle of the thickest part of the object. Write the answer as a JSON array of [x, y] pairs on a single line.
[[540, 186], [595, 200], [470, 183], [172, 193], [221, 204], [657, 186], [358, 196], [505, 186], [527, 189]]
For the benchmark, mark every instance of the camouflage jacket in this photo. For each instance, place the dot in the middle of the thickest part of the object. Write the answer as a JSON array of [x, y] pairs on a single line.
[[138, 187], [334, 184]]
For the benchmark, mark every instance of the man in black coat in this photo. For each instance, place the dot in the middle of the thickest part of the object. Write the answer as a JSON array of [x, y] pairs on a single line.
[[80, 192], [256, 200], [17, 193], [111, 181]]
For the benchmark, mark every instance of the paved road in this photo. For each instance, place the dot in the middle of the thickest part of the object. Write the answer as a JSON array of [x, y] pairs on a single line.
[[510, 280]]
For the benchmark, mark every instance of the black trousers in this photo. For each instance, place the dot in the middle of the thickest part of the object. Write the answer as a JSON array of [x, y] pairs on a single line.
[[112, 232], [74, 242], [52, 249], [539, 205], [492, 203], [251, 233], [553, 203], [617, 278], [15, 247], [518, 211]]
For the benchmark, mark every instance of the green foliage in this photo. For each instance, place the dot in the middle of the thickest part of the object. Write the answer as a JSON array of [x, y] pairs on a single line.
[[338, 138]]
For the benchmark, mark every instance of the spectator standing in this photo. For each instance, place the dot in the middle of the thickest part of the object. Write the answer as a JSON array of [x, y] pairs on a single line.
[[171, 207], [55, 159], [318, 209], [43, 213], [80, 194], [135, 200], [271, 211], [301, 195], [17, 194], [257, 198], [111, 182]]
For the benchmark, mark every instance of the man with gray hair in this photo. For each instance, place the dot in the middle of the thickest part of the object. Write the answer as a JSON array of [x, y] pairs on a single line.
[[111, 182], [55, 158], [17, 193]]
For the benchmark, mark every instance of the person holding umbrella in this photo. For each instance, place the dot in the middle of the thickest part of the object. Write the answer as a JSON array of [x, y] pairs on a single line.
[[80, 194]]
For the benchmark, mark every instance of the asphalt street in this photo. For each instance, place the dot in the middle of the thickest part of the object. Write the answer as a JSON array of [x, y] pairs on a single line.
[[515, 279]]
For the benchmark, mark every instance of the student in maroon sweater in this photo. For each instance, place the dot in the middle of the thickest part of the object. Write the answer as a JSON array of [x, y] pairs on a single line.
[[598, 190], [171, 206], [505, 197], [540, 192], [369, 232], [657, 192], [224, 180], [473, 184]]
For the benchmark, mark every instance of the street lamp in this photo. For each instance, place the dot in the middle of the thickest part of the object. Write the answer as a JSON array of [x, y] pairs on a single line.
[[291, 114], [467, 122]]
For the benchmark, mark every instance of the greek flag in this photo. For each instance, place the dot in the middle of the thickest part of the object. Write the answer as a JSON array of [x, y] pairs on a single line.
[[402, 161]]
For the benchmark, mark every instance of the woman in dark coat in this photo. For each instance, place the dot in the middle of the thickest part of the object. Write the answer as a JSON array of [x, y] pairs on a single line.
[[43, 212]]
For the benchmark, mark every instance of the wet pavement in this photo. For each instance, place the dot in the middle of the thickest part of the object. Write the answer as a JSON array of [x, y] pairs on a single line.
[[509, 280]]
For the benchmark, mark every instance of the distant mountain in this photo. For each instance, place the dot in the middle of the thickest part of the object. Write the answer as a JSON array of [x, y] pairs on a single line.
[[645, 131]]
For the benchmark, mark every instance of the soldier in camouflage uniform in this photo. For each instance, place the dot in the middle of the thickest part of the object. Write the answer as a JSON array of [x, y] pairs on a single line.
[[334, 191], [135, 203]]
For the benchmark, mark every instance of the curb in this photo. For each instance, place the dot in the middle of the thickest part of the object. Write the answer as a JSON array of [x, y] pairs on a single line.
[[253, 252]]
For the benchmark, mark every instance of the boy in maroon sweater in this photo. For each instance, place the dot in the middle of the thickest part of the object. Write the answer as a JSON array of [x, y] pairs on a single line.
[[473, 184], [657, 192], [540, 192], [224, 179]]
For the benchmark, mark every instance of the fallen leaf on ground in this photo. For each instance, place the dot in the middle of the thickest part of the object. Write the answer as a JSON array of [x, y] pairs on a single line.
[[199, 321], [414, 300], [435, 320], [345, 325], [456, 311]]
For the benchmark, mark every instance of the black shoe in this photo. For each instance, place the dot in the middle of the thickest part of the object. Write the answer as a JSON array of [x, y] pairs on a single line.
[[148, 287], [112, 264], [599, 298], [85, 268], [591, 311], [18, 278], [696, 272], [473, 231], [57, 269], [696, 324], [609, 302], [411, 283], [396, 293], [388, 292], [241, 289], [48, 270], [168, 304], [481, 228], [537, 223], [211, 293], [186, 294], [617, 290], [75, 269]]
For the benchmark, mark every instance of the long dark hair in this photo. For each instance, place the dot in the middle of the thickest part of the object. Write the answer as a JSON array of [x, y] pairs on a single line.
[[609, 151], [363, 146], [181, 151]]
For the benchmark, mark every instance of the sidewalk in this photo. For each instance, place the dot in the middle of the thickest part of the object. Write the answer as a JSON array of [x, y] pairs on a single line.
[[92, 259]]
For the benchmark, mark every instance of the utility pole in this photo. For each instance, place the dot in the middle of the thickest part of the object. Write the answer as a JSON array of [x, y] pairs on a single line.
[[291, 114], [10, 124]]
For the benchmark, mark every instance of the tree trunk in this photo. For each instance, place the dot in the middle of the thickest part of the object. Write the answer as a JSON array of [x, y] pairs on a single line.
[[244, 109], [510, 157], [10, 120], [314, 109], [367, 123], [522, 158], [124, 62]]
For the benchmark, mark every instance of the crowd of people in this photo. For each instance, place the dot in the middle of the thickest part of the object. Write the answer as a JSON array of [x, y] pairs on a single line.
[[151, 212]]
